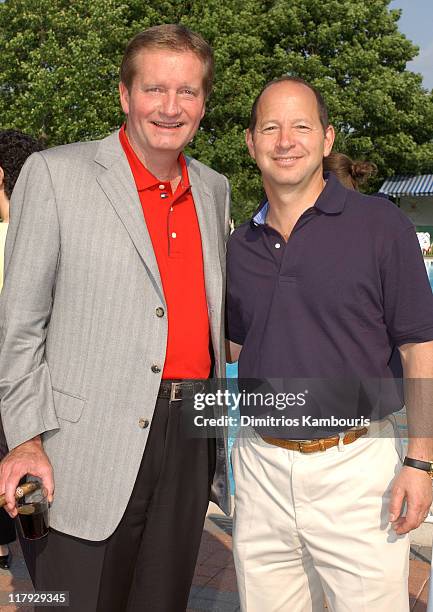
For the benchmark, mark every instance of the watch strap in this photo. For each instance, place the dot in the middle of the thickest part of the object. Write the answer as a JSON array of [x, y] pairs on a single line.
[[426, 466]]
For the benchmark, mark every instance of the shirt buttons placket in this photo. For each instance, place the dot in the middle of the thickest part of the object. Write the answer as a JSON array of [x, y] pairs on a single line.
[[163, 194]]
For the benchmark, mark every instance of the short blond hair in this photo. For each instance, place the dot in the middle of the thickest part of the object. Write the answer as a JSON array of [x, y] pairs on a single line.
[[174, 37]]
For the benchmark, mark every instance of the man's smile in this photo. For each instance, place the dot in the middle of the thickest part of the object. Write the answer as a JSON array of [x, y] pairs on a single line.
[[168, 126], [286, 160]]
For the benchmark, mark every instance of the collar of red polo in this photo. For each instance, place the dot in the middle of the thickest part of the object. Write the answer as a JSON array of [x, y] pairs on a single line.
[[142, 177]]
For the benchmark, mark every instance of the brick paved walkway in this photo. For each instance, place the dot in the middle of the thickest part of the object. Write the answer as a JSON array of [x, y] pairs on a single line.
[[214, 587]]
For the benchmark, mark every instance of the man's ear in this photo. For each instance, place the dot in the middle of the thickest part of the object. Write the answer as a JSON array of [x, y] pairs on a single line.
[[329, 140], [2, 178], [250, 143], [124, 97]]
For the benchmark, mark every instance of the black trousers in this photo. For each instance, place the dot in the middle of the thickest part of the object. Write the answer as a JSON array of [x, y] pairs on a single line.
[[7, 525], [7, 528], [148, 563]]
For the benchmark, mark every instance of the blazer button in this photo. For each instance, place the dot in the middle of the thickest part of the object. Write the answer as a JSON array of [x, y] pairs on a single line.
[[155, 369], [159, 312], [143, 423]]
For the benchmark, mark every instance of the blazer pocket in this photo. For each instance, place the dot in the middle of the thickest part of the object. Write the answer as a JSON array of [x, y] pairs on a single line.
[[68, 407]]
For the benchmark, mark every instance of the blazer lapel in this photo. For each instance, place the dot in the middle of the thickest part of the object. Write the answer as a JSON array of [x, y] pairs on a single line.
[[208, 222], [117, 182]]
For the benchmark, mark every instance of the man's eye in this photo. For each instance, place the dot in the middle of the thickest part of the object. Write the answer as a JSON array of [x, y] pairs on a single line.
[[188, 92], [154, 89], [269, 128], [303, 127]]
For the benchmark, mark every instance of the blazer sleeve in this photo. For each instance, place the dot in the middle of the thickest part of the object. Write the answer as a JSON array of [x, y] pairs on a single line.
[[31, 256]]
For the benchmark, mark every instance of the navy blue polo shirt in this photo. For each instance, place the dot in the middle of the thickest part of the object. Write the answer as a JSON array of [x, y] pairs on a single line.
[[335, 301]]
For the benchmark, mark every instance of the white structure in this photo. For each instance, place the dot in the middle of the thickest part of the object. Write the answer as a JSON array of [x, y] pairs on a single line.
[[414, 195]]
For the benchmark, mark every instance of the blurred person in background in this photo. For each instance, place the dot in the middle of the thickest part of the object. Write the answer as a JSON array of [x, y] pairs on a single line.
[[351, 173]]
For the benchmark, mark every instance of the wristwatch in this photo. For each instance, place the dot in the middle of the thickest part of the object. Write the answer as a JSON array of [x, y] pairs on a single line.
[[426, 466]]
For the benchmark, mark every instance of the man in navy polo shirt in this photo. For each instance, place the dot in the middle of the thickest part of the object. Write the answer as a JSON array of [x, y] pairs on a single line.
[[326, 284]]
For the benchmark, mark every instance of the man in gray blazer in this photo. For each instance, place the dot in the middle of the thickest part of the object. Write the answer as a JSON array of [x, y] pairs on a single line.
[[113, 296]]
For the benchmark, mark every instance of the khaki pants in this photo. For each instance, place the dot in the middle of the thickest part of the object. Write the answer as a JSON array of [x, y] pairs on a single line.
[[312, 524]]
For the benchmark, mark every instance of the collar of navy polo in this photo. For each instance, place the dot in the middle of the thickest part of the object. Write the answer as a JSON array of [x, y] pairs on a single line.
[[331, 201]]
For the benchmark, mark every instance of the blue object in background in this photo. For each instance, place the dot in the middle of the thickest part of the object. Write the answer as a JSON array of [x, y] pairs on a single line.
[[429, 268], [231, 372]]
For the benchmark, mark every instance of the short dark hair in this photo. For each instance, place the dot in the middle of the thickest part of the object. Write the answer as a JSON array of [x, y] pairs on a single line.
[[15, 148], [321, 104], [174, 37]]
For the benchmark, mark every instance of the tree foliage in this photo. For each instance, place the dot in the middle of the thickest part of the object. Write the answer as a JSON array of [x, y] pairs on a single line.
[[59, 62]]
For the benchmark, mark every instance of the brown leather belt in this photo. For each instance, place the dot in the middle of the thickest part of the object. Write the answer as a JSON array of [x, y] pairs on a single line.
[[314, 446], [175, 390]]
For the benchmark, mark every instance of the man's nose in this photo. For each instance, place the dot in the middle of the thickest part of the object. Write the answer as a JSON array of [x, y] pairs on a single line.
[[170, 106], [285, 138]]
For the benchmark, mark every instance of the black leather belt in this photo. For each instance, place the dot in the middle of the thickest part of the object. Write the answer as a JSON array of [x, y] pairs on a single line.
[[178, 390]]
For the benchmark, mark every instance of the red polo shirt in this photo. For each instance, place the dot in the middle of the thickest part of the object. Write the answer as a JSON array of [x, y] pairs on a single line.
[[173, 227]]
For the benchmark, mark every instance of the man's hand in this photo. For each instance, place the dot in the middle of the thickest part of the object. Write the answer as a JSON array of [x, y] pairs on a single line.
[[416, 487], [27, 458]]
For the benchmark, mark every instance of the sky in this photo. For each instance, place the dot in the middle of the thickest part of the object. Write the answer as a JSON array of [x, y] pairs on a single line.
[[416, 22]]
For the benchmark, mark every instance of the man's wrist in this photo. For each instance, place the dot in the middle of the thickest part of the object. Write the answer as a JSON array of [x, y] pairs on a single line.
[[36, 440], [425, 466], [420, 448]]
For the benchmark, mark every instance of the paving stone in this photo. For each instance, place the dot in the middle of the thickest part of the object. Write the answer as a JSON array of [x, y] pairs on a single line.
[[208, 571], [420, 604], [224, 581], [419, 574], [209, 599], [200, 580]]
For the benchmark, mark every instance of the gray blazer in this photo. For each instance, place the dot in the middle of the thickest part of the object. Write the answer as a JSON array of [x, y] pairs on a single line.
[[79, 333]]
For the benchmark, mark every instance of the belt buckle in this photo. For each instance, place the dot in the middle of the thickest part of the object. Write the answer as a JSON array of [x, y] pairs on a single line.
[[302, 446], [174, 387]]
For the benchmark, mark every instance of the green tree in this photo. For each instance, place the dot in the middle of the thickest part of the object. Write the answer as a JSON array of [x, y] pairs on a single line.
[[59, 62], [351, 50]]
